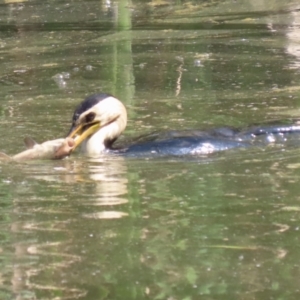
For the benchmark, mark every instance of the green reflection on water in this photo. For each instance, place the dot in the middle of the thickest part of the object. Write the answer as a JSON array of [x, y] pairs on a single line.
[[225, 227]]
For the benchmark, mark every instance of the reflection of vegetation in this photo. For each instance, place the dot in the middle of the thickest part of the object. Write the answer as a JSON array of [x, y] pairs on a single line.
[[181, 7], [121, 69], [225, 228], [186, 242]]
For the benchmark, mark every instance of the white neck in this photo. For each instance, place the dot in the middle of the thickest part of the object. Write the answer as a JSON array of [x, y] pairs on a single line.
[[95, 144]]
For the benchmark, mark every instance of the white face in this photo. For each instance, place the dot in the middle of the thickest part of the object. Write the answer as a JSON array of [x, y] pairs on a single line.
[[103, 122], [105, 112]]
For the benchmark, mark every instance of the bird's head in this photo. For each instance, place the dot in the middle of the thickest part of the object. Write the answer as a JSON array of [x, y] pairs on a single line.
[[97, 122]]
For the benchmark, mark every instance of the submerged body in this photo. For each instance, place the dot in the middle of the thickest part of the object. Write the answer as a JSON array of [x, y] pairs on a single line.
[[179, 146], [100, 119], [193, 142], [53, 149]]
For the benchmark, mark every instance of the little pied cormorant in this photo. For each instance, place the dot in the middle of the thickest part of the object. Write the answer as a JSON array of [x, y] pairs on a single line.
[[100, 119]]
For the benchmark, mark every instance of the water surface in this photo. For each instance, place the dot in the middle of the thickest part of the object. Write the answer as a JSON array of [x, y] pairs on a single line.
[[225, 226]]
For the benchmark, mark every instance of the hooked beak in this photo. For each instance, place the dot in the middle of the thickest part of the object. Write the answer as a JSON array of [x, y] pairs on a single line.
[[83, 131]]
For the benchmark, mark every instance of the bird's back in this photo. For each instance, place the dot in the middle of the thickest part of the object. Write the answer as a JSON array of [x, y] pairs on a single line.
[[194, 142]]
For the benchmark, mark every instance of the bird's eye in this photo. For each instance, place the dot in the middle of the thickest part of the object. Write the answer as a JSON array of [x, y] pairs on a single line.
[[90, 117]]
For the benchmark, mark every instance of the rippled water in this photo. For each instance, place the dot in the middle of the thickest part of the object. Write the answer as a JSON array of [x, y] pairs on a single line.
[[225, 226]]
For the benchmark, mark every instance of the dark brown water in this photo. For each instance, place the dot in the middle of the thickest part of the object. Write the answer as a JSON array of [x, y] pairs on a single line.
[[224, 226]]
